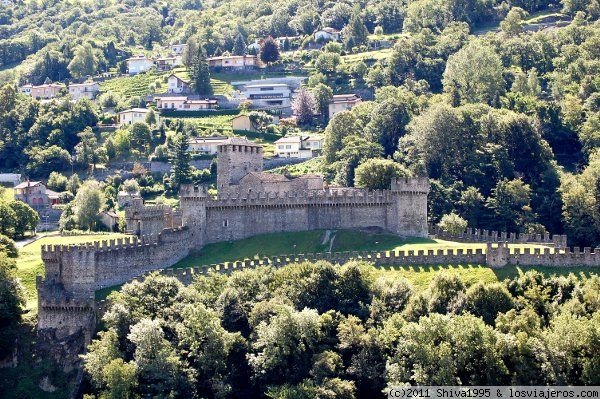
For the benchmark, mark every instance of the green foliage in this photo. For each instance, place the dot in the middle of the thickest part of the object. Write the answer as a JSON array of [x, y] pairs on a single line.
[[269, 51], [310, 328], [376, 174], [453, 223], [88, 202], [200, 75]]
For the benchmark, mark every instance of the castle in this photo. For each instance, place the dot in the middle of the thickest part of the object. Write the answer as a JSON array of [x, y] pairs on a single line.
[[248, 202]]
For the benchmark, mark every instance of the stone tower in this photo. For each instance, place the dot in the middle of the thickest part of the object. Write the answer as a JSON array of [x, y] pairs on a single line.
[[235, 159], [409, 210]]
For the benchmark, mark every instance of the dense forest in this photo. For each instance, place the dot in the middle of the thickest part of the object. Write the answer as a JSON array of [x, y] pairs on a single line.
[[317, 330]]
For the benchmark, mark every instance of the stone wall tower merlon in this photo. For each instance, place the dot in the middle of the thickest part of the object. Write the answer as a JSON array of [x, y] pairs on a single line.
[[408, 213], [235, 159]]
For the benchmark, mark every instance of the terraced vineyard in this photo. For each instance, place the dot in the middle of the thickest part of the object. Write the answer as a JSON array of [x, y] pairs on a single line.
[[135, 86]]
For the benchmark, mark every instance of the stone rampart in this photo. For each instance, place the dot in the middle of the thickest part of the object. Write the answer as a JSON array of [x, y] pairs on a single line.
[[480, 235]]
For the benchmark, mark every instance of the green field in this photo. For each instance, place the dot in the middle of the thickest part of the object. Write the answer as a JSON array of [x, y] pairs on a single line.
[[368, 56], [29, 262], [315, 241], [134, 86]]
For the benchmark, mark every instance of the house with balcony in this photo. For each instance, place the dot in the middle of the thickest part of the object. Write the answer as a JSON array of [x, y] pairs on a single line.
[[268, 95], [176, 85], [133, 115], [343, 102], [183, 103], [178, 48], [206, 145], [298, 146], [45, 91], [165, 64], [233, 62], [84, 90]]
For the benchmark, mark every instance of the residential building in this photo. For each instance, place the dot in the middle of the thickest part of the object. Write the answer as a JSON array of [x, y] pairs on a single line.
[[110, 219], [46, 91], [133, 115], [10, 178], [206, 145], [177, 85], [164, 64], [84, 90], [183, 103], [254, 47], [178, 49], [234, 62], [36, 195], [342, 102], [25, 89], [139, 64], [285, 42], [327, 34], [268, 95], [242, 122], [298, 146]]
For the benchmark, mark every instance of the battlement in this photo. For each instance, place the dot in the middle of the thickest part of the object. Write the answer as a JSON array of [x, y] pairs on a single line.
[[331, 196], [240, 144], [148, 211], [417, 185], [479, 235]]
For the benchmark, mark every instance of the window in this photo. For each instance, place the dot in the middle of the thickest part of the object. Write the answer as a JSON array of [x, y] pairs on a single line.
[[225, 223], [288, 147]]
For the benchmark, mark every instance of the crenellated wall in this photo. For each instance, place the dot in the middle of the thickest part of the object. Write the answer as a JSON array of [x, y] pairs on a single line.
[[479, 235]]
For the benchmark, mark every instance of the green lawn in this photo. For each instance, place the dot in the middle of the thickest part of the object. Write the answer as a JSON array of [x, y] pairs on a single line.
[[304, 242], [29, 262], [368, 56]]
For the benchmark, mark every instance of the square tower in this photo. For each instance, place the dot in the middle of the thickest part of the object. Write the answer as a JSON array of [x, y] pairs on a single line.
[[237, 157]]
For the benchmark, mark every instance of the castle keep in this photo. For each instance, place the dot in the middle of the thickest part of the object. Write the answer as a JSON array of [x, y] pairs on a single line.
[[249, 202]]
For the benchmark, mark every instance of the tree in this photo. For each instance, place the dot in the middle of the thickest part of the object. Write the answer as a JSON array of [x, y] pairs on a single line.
[[327, 63], [239, 46], [190, 52], [151, 118], [269, 51], [355, 33], [376, 173], [180, 159], [475, 74], [85, 61], [12, 301], [200, 75], [26, 219], [87, 153], [323, 95], [512, 25], [141, 137], [89, 201], [43, 161], [453, 224], [304, 107], [7, 246], [8, 220], [57, 182], [341, 125], [510, 202]]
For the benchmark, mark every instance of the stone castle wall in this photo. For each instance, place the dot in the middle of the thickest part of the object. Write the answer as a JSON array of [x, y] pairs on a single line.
[[480, 235]]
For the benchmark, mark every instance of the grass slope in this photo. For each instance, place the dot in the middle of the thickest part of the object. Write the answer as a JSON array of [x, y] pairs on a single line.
[[29, 262]]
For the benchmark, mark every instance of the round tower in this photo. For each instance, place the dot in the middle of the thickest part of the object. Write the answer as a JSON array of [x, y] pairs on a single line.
[[237, 157]]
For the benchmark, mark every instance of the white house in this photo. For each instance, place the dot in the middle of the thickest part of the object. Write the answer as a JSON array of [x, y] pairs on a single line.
[[139, 64], [254, 47], [133, 115], [342, 102], [84, 90], [25, 89], [183, 103], [233, 62], [327, 34], [268, 95], [298, 146], [206, 145], [178, 49], [10, 178], [164, 64], [177, 85]]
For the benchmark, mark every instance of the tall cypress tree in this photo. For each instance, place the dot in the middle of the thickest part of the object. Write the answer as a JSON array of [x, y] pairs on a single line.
[[180, 159], [200, 75], [239, 46]]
